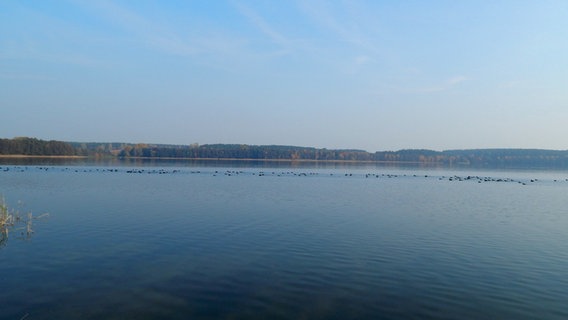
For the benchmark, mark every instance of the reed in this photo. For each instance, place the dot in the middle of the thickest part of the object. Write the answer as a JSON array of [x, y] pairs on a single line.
[[11, 219]]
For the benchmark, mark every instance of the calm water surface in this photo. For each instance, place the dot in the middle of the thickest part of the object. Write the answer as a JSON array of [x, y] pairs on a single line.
[[270, 241]]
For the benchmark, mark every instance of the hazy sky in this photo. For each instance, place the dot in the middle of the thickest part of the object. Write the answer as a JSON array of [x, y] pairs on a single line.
[[374, 75]]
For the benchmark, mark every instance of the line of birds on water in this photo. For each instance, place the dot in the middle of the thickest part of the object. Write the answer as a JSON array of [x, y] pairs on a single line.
[[229, 173]]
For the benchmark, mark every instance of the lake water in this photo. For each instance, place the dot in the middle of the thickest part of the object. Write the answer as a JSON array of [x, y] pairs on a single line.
[[223, 240]]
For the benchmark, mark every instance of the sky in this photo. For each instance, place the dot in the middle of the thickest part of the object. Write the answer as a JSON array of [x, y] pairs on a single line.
[[373, 75]]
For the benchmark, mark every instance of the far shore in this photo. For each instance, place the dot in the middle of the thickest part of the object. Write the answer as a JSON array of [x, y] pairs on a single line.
[[23, 156], [277, 160]]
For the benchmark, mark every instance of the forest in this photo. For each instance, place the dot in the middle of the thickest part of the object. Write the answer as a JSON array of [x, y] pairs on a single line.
[[472, 157], [35, 147]]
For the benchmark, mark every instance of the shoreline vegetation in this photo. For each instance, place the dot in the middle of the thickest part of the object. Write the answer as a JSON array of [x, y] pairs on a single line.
[[13, 221], [21, 156], [23, 147]]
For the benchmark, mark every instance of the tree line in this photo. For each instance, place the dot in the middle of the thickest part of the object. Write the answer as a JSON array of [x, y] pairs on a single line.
[[243, 151], [35, 147], [472, 157]]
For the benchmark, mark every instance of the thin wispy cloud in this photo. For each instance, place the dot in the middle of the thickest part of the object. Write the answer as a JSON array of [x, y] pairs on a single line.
[[155, 35], [49, 39], [361, 60], [456, 80], [347, 30], [47, 56], [358, 62], [213, 47], [263, 26], [25, 77], [511, 84], [346, 25], [446, 85]]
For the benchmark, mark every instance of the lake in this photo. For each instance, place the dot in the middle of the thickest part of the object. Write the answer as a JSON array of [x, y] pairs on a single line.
[[246, 240]]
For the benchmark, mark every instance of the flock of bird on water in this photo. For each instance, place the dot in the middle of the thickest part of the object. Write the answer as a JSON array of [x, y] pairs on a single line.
[[274, 173]]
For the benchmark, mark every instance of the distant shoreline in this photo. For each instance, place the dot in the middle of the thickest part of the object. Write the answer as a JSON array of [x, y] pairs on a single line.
[[264, 159], [24, 156], [32, 148]]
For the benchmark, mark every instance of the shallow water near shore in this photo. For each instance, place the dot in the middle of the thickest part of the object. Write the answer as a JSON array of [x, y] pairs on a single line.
[[255, 240]]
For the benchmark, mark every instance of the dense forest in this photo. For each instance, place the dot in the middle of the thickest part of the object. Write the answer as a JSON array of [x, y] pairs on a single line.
[[35, 147], [236, 151], [479, 157], [474, 157]]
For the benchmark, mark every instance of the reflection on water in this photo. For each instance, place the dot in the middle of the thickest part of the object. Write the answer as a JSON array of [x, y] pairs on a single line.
[[224, 163], [170, 241]]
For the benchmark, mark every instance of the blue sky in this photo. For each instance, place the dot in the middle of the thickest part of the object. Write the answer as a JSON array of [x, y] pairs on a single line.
[[373, 75]]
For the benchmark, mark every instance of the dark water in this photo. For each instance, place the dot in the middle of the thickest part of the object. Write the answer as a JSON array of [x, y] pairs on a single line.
[[226, 241]]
